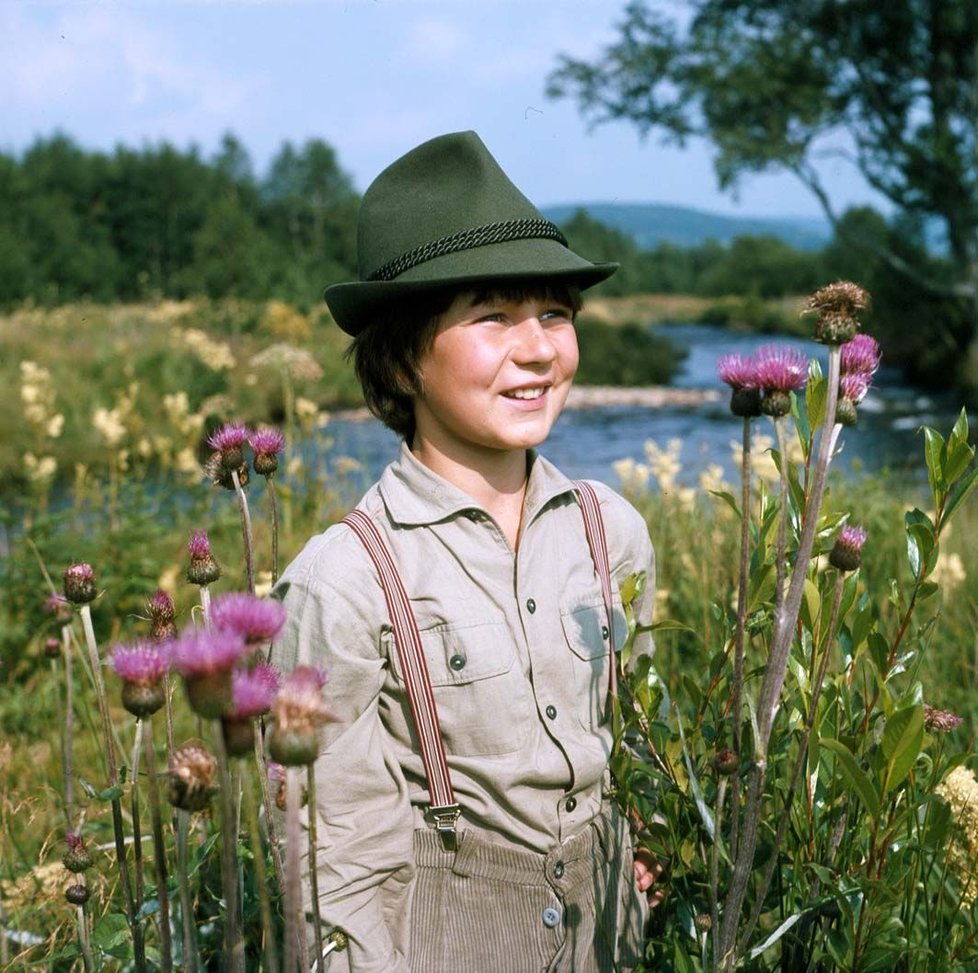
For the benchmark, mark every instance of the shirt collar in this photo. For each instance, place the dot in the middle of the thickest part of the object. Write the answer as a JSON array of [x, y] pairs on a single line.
[[415, 494]]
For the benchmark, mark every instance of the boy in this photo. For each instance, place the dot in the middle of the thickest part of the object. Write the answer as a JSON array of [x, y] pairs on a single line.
[[462, 818]]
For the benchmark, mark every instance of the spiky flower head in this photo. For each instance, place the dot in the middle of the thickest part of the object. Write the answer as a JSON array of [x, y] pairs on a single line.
[[837, 307], [299, 711], [222, 475], [739, 373], [161, 616], [79, 583], [252, 693], [778, 372], [190, 784], [940, 720], [141, 666], [206, 659], [847, 552], [58, 606], [726, 762], [52, 648], [76, 857], [256, 620], [203, 569], [266, 443], [861, 356], [228, 441]]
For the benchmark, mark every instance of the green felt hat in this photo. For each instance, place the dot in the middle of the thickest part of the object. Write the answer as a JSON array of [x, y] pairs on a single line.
[[443, 215]]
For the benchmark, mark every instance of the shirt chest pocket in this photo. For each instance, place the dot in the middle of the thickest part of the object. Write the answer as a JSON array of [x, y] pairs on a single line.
[[480, 690], [585, 625]]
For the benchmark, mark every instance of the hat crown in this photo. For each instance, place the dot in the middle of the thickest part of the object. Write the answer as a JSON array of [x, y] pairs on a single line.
[[444, 187]]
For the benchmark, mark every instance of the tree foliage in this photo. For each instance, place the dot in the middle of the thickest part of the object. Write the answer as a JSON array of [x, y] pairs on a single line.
[[774, 85]]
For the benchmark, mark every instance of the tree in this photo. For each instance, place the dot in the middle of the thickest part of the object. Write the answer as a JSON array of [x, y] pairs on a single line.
[[775, 85]]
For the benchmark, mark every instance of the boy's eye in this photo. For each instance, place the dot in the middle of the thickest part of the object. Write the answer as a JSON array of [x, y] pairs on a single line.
[[557, 313]]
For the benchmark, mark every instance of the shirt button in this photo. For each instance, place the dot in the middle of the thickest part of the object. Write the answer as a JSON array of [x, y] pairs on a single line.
[[551, 711], [604, 632], [570, 804], [559, 870], [551, 917], [457, 662], [531, 605]]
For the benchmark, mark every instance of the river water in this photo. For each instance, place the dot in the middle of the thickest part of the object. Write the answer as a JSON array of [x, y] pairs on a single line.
[[586, 442]]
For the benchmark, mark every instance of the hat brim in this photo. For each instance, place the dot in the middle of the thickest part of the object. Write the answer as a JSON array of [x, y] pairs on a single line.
[[353, 304]]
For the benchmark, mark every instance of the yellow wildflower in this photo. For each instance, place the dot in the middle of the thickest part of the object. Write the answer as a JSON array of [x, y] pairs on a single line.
[[664, 463], [960, 790]]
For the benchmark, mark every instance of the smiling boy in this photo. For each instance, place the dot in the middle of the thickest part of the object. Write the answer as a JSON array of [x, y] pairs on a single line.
[[468, 611]]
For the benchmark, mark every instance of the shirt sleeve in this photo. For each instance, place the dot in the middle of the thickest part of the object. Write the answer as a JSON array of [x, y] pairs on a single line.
[[334, 613]]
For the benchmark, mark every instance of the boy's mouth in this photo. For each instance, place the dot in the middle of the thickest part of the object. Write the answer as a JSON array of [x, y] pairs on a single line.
[[526, 393]]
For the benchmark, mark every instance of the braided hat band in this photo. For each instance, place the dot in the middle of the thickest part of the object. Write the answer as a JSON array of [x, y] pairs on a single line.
[[480, 236]]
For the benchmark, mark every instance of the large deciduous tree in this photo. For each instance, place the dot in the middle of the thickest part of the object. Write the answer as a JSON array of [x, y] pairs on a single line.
[[776, 85]]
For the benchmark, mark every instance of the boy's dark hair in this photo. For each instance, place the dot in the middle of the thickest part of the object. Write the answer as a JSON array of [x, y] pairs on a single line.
[[387, 354]]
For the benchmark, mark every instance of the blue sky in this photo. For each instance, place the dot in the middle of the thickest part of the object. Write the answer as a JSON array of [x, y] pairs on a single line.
[[371, 77]]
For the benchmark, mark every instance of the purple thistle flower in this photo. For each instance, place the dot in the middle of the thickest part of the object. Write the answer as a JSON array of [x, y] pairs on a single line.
[[199, 545], [738, 372], [141, 666], [254, 619], [847, 552], [940, 720], [853, 387], [267, 440], [58, 606], [253, 690], [140, 662], [299, 711], [199, 652], [231, 436], [780, 369], [861, 356]]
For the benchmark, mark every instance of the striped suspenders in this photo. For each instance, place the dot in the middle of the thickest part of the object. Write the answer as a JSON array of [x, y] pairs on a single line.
[[444, 809]]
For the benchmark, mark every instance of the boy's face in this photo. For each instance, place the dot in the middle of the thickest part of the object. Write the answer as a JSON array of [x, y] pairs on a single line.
[[496, 375]]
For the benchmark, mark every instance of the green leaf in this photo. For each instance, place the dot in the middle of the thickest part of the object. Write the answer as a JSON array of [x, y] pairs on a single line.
[[815, 394], [860, 781], [776, 935], [728, 498], [959, 455], [933, 451], [110, 793], [901, 743], [959, 433], [959, 493], [110, 931]]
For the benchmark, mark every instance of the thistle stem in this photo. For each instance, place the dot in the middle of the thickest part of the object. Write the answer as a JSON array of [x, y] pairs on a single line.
[[245, 531], [774, 674], [314, 866], [233, 940], [264, 898], [139, 952], [159, 849], [779, 561], [273, 500], [137, 833], [84, 941], [296, 950], [742, 581], [190, 958], [67, 754], [266, 799]]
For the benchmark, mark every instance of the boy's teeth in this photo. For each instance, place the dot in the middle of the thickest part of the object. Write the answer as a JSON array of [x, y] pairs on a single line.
[[525, 393]]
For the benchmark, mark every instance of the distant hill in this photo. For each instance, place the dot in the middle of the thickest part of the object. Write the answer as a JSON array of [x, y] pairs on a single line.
[[653, 223]]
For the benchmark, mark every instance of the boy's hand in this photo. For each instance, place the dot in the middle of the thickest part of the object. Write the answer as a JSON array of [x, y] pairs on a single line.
[[647, 871]]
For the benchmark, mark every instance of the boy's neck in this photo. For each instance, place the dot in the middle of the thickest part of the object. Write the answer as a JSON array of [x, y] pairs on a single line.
[[494, 479]]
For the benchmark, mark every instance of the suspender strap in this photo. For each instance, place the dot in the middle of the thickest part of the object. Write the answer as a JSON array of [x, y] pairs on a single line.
[[597, 541], [444, 809]]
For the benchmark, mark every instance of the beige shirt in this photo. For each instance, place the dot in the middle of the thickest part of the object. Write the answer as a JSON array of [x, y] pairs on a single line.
[[517, 652]]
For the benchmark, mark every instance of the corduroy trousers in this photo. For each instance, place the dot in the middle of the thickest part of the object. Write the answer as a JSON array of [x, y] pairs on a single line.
[[495, 907]]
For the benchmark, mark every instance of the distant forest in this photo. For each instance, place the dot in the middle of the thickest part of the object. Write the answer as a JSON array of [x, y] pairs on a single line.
[[158, 221], [153, 222]]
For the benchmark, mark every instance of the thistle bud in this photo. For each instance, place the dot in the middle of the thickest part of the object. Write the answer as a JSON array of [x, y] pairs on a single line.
[[726, 762], [203, 569], [76, 857], [77, 894], [846, 555], [58, 606], [52, 648], [79, 584], [161, 616], [191, 778]]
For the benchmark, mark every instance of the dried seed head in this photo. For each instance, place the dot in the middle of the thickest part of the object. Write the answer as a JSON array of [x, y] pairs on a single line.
[[726, 762], [837, 306], [940, 720], [161, 616], [191, 778]]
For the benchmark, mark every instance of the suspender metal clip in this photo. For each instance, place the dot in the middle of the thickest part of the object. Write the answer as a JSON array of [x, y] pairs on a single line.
[[445, 818]]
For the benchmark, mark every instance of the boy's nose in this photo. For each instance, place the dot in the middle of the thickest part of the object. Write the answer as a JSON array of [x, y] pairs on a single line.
[[534, 342]]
